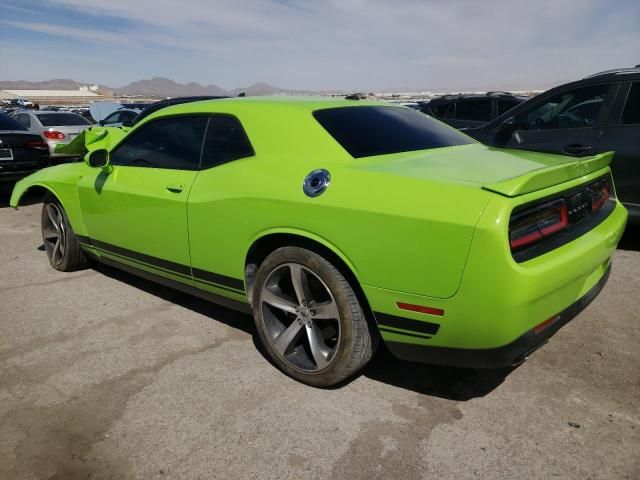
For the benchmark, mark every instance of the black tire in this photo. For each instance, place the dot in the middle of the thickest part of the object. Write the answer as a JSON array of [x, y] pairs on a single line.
[[68, 256], [354, 345]]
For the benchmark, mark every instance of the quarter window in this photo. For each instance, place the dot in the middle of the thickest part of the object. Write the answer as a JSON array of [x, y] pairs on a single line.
[[224, 142], [172, 143], [631, 112], [577, 108]]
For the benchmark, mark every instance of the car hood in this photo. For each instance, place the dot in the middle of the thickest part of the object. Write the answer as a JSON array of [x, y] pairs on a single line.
[[503, 171]]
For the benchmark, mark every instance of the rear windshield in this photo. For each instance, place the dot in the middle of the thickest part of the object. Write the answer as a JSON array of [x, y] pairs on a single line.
[[8, 123], [61, 119], [371, 130]]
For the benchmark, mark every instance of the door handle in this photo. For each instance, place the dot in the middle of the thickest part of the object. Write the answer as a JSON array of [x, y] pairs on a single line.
[[576, 149], [175, 188]]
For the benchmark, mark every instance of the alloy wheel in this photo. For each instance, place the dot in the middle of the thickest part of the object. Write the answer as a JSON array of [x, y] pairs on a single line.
[[301, 317], [54, 234]]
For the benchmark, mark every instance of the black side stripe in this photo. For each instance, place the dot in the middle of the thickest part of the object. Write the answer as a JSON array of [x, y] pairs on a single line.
[[141, 257], [382, 328], [406, 323], [218, 278], [185, 270]]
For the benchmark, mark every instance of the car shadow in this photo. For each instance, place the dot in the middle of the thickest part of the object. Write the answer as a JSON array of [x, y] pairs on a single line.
[[631, 238], [444, 382]]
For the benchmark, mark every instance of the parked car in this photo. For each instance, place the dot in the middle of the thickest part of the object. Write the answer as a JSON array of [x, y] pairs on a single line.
[[53, 127], [121, 117], [21, 152], [340, 222], [470, 110], [597, 114], [167, 102]]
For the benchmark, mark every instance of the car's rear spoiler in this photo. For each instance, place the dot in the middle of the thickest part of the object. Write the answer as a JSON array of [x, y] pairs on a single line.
[[549, 176]]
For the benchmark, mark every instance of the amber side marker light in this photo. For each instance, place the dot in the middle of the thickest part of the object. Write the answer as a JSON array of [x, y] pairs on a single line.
[[420, 309], [544, 325]]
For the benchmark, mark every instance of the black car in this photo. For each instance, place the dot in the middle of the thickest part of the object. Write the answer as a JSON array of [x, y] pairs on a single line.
[[154, 107], [596, 114], [21, 152], [470, 110]]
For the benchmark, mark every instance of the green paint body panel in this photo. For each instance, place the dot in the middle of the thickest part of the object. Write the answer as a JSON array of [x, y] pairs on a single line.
[[427, 227]]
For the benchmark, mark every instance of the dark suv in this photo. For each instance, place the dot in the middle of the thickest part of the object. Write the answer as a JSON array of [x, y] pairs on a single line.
[[596, 114], [470, 110]]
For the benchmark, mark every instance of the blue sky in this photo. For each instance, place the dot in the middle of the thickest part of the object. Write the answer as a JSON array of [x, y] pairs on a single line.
[[315, 44]]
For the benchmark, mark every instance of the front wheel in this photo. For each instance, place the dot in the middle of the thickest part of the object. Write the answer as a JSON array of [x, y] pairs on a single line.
[[60, 243], [309, 318]]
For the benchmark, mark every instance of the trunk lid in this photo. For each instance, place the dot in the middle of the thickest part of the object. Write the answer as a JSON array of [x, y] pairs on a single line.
[[506, 172]]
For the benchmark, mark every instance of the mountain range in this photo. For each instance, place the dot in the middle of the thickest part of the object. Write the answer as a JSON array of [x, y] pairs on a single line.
[[156, 87]]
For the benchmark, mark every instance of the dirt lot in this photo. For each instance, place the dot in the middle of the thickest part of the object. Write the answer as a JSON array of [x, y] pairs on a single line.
[[103, 375]]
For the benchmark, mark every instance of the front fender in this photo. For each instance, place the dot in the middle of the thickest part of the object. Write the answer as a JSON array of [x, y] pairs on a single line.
[[62, 182]]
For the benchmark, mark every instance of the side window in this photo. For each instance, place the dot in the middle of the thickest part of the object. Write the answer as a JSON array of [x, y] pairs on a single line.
[[573, 109], [224, 141], [173, 143], [631, 112], [113, 118], [439, 110], [505, 106], [477, 110]]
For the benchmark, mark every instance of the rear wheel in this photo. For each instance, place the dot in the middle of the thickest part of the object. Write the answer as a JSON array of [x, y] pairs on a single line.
[[60, 243], [309, 318]]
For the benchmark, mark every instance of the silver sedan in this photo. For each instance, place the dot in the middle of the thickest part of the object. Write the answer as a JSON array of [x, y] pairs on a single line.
[[53, 127]]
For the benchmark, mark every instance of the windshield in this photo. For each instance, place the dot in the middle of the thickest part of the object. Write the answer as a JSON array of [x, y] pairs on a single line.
[[371, 130], [8, 123], [61, 119]]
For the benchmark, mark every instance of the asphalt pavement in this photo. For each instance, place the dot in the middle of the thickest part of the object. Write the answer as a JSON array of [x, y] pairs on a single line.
[[104, 375]]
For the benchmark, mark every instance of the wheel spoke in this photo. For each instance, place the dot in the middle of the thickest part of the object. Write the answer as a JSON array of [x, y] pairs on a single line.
[[287, 337], [300, 283], [56, 250], [319, 350], [53, 216], [325, 310], [275, 300]]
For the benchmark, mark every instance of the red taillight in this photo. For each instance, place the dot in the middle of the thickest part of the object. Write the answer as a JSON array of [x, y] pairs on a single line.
[[600, 193], [53, 135], [37, 144], [533, 225]]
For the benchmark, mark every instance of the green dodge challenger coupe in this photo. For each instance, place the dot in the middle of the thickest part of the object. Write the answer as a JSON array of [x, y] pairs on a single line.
[[340, 224]]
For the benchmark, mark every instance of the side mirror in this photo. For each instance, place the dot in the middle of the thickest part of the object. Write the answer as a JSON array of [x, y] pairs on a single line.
[[101, 123], [98, 158], [509, 125]]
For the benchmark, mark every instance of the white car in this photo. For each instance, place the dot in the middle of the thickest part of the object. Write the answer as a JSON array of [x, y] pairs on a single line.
[[53, 127]]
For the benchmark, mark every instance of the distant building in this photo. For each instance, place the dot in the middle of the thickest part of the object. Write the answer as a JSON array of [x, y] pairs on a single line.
[[82, 96]]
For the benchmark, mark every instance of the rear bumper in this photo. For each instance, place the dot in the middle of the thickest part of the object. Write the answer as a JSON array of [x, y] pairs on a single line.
[[510, 354]]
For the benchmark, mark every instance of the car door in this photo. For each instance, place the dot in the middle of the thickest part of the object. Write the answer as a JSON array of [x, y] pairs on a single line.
[[137, 211], [622, 135], [569, 122], [213, 204]]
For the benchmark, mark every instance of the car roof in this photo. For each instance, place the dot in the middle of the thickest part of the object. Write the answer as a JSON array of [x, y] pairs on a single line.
[[480, 96], [290, 102]]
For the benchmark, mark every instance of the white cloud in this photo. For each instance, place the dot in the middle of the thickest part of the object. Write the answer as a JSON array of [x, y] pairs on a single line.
[[367, 44]]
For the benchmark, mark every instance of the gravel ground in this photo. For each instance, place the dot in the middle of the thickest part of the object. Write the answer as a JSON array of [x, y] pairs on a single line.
[[104, 375]]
